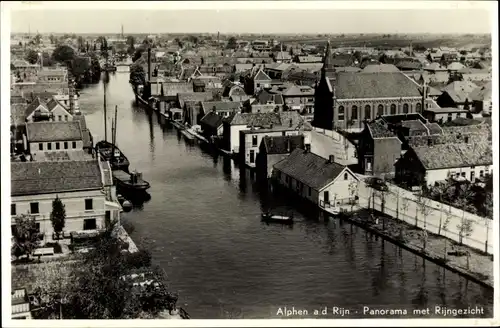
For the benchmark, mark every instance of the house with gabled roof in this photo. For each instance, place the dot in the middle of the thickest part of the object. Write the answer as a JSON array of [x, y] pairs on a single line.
[[481, 99], [273, 149], [37, 111], [428, 164], [79, 184], [313, 178], [58, 111], [456, 94]]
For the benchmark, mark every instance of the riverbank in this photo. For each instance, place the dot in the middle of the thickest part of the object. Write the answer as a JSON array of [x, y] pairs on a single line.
[[477, 267]]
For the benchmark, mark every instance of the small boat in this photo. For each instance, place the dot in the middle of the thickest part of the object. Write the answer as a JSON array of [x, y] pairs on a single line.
[[130, 182], [118, 162], [127, 206], [268, 217]]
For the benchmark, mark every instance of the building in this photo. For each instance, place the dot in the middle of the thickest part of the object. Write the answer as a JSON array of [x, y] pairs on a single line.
[[221, 108], [481, 100], [311, 177], [235, 123], [441, 115], [297, 98], [344, 100], [21, 308], [274, 149], [432, 163], [80, 186], [211, 125], [51, 75], [456, 94], [43, 138], [59, 112]]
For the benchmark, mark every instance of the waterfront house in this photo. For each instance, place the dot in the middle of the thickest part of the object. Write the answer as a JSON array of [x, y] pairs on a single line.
[[264, 102], [43, 138], [273, 149], [190, 103], [79, 185], [320, 181], [268, 124], [344, 100], [428, 164], [211, 125], [235, 123], [441, 115]]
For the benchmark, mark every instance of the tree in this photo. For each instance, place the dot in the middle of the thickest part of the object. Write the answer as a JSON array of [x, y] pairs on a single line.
[[63, 54], [32, 57], [445, 229], [52, 39], [26, 236], [231, 43], [37, 39], [137, 54], [137, 76], [58, 216]]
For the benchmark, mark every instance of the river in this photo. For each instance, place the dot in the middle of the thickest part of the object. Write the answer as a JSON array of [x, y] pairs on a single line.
[[202, 225]]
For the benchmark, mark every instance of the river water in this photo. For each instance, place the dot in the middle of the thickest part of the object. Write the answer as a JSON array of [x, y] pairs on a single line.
[[202, 225]]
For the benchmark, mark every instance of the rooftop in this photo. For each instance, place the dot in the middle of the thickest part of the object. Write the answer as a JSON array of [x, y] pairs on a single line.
[[312, 170], [53, 131], [32, 178], [282, 144]]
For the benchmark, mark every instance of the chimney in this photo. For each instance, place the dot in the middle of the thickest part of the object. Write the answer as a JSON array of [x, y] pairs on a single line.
[[331, 159], [149, 64]]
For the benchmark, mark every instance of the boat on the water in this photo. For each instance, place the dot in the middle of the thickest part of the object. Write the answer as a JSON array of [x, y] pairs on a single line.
[[130, 182], [113, 155], [268, 217]]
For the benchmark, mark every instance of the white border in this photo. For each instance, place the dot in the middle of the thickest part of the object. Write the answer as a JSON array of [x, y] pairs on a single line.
[[262, 5]]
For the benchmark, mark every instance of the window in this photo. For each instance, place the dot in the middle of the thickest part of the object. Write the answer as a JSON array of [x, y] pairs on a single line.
[[287, 179], [34, 208], [368, 112], [13, 229], [59, 118], [40, 146], [341, 113], [65, 145], [481, 173], [66, 118], [449, 117], [309, 191], [346, 176], [463, 174], [354, 112], [49, 146], [405, 108], [57, 145], [466, 139], [37, 226], [13, 209], [254, 140], [393, 109], [88, 204], [419, 107], [458, 114], [89, 224], [73, 144]]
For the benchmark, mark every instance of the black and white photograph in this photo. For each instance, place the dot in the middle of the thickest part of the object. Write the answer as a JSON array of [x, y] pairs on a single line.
[[287, 160]]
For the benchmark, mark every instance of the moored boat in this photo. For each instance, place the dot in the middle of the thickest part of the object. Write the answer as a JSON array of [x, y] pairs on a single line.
[[268, 217], [130, 182], [113, 155]]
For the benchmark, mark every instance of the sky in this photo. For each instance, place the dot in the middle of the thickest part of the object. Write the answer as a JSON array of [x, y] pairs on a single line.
[[431, 20]]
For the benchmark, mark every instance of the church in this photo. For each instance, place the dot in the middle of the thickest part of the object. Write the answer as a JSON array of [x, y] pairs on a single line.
[[345, 100]]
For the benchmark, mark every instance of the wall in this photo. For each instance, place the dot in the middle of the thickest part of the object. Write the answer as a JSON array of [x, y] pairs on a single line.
[[385, 153], [34, 147], [75, 209], [281, 179], [373, 103], [328, 142], [442, 174], [403, 205], [273, 159], [234, 141]]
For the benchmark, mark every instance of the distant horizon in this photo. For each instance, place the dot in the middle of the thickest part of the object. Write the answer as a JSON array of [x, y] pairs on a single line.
[[451, 21]]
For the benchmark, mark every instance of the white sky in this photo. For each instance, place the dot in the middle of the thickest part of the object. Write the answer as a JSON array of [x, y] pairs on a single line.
[[312, 17]]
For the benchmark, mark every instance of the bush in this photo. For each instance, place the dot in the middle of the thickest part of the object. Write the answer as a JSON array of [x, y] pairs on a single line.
[[57, 247], [140, 259]]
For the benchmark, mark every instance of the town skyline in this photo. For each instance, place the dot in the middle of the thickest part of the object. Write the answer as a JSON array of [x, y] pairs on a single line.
[[414, 21]]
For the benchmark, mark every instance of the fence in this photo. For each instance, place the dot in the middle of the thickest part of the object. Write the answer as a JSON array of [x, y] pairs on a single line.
[[431, 215]]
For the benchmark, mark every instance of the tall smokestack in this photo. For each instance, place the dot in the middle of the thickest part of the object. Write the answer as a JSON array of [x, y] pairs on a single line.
[[149, 64]]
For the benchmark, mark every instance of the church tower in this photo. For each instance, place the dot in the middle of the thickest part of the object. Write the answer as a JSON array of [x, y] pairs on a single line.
[[324, 94]]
